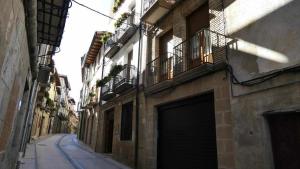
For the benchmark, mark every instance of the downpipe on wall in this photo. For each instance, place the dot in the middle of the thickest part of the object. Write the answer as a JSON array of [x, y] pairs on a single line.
[[137, 98], [30, 8]]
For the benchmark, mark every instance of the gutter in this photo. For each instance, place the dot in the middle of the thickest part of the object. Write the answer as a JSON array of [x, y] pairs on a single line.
[[137, 102], [31, 29]]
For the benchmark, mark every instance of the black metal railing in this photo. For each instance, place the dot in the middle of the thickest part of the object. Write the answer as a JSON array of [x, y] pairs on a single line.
[[125, 26], [108, 87], [111, 42], [160, 69], [126, 76], [205, 47]]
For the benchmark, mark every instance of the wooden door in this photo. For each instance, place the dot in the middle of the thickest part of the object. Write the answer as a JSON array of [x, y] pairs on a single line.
[[285, 136], [109, 130], [196, 43], [165, 54]]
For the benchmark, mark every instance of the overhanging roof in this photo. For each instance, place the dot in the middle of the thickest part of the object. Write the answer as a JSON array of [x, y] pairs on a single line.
[[94, 48], [51, 19]]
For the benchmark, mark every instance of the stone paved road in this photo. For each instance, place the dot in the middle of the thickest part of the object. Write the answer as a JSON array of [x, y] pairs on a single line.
[[65, 152]]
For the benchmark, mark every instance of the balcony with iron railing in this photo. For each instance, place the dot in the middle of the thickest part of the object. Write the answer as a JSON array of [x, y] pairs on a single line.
[[111, 46], [160, 69], [126, 79], [126, 30], [108, 91], [153, 10], [122, 34], [46, 65], [203, 53]]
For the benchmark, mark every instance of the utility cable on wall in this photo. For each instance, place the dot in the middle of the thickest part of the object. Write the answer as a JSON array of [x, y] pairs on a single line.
[[260, 79]]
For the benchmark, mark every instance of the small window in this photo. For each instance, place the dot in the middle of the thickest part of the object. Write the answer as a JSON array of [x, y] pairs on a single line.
[[126, 121]]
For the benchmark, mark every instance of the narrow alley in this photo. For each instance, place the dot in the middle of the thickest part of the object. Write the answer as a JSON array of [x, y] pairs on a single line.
[[149, 84], [64, 151]]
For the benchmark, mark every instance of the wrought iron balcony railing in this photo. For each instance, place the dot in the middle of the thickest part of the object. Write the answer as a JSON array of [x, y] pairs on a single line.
[[108, 90], [206, 47], [126, 30], [111, 46], [160, 69], [121, 36], [126, 79]]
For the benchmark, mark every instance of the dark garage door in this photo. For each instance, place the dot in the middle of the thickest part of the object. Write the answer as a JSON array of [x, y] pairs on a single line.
[[187, 136]]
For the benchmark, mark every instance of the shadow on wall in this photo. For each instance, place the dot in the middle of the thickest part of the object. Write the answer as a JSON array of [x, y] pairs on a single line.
[[268, 43]]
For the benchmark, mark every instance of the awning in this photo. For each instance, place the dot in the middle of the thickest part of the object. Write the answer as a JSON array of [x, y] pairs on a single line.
[[51, 19]]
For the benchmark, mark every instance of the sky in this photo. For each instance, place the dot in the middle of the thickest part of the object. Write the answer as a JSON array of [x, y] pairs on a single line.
[[80, 27]]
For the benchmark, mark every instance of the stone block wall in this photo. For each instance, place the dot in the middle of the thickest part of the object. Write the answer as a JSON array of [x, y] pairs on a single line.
[[261, 51], [219, 84], [122, 150], [251, 130], [14, 72]]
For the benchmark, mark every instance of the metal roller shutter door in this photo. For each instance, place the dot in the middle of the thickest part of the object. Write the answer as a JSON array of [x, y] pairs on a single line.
[[187, 137]]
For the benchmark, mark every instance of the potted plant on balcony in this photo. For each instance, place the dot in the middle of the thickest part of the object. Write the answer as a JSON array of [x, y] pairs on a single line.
[[120, 20], [104, 37], [91, 94], [103, 81], [117, 4], [115, 70]]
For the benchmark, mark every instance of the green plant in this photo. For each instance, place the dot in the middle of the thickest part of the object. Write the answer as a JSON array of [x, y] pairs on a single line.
[[117, 4], [104, 37], [115, 70], [103, 81], [50, 103], [120, 20], [91, 94], [47, 95]]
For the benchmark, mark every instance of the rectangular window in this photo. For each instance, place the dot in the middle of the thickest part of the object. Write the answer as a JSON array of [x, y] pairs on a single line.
[[126, 121]]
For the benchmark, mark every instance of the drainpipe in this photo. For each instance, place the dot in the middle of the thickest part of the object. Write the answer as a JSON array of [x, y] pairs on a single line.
[[102, 73], [31, 27], [137, 98]]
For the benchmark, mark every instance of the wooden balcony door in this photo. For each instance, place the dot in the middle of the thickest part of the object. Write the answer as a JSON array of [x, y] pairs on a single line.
[[197, 41], [165, 55]]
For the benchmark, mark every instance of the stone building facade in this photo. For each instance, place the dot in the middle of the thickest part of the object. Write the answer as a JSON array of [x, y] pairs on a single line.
[[217, 88], [15, 79], [265, 95], [21, 37], [186, 110]]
